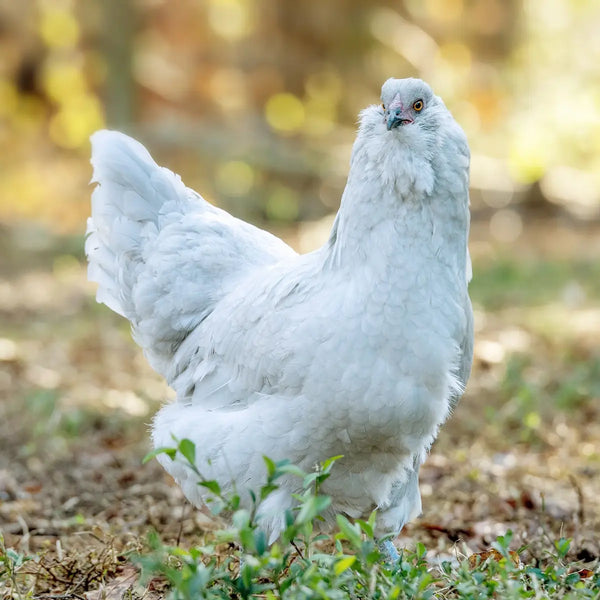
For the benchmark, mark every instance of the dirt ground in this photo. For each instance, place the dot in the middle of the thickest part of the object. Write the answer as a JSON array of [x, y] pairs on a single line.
[[521, 451]]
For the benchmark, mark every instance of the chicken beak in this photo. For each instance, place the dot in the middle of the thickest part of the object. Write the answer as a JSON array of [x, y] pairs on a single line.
[[397, 115], [397, 118]]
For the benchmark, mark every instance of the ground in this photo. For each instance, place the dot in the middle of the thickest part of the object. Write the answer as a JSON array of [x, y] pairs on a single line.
[[520, 451]]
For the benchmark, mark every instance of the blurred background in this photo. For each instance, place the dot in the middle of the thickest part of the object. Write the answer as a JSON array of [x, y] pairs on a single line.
[[254, 104]]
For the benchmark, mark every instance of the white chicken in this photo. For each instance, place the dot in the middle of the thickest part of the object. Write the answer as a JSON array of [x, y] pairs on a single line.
[[360, 348]]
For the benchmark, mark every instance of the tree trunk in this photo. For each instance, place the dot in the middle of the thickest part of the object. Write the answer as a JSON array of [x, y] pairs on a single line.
[[120, 21]]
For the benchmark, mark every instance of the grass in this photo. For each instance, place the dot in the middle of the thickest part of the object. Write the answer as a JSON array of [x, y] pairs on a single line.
[[507, 282], [236, 561], [298, 567]]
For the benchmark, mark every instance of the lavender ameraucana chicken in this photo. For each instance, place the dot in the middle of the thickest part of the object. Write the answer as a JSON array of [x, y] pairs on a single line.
[[360, 348]]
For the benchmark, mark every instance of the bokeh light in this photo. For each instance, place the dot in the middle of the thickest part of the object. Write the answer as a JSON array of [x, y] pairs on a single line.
[[282, 204], [235, 178], [58, 27], [231, 19], [285, 112]]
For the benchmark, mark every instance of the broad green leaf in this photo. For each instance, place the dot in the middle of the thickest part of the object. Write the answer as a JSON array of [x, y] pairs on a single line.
[[394, 593], [313, 507], [425, 581], [267, 490], [365, 527], [372, 519], [241, 518], [270, 466], [289, 517], [290, 469], [309, 479], [344, 564], [188, 450], [326, 466], [170, 452], [212, 486], [562, 546], [348, 531], [247, 539], [260, 541]]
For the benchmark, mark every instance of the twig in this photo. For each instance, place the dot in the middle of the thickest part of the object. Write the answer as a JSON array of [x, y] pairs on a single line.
[[183, 514], [92, 535], [66, 596], [580, 498], [54, 576], [46, 532], [298, 550], [24, 542], [86, 579]]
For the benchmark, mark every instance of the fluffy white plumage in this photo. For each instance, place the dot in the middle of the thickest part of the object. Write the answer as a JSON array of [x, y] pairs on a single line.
[[359, 348]]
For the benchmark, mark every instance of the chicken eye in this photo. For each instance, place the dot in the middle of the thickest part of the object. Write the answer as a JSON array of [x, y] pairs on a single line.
[[418, 105], [383, 106]]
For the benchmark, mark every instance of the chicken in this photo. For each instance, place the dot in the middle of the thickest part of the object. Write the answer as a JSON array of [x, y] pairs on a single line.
[[360, 348]]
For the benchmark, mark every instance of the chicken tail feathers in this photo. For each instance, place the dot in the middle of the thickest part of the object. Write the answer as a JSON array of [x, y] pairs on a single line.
[[162, 256], [132, 189], [134, 206]]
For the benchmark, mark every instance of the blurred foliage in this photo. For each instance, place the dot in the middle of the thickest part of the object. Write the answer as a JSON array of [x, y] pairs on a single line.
[[256, 101], [505, 282]]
